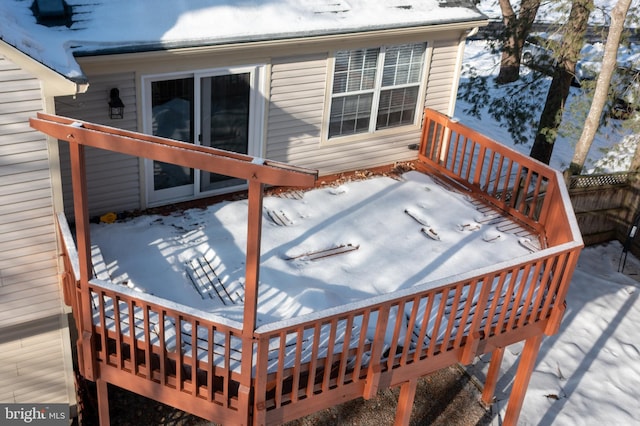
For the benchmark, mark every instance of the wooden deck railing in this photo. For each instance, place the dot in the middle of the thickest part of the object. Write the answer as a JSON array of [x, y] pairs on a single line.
[[313, 361], [160, 349], [193, 361]]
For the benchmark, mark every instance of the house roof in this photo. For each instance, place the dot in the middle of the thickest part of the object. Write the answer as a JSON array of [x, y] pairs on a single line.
[[92, 27]]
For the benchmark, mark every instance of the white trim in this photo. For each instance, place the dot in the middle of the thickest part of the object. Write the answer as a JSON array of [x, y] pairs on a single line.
[[428, 58], [456, 78], [53, 83], [256, 137], [329, 96]]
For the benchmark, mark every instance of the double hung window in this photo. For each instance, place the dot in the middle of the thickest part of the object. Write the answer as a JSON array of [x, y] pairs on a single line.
[[375, 88]]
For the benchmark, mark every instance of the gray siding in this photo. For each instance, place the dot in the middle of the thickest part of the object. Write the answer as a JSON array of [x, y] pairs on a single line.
[[296, 111], [113, 180], [35, 361]]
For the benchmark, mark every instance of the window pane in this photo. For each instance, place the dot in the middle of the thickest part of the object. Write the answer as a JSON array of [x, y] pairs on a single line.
[[340, 82], [355, 70], [172, 109], [397, 107], [355, 81], [350, 115], [224, 121], [342, 62], [415, 71], [403, 64]]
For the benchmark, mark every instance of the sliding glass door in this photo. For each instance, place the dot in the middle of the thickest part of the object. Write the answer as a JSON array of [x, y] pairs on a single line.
[[224, 120], [219, 108], [172, 109]]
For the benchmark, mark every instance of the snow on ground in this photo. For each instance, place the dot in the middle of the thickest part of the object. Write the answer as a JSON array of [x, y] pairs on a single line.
[[589, 373]]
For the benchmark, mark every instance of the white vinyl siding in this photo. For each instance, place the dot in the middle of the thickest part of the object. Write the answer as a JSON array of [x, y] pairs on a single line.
[[27, 234], [442, 76], [113, 180], [35, 361], [31, 368], [298, 90]]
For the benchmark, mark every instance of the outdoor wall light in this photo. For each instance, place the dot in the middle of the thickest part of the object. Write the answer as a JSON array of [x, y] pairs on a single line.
[[116, 107]]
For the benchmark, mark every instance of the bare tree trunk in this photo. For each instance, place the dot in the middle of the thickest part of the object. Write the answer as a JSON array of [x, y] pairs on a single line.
[[635, 161], [551, 117], [516, 29], [609, 62]]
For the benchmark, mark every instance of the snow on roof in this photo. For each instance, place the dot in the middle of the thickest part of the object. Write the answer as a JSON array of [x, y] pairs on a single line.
[[100, 26]]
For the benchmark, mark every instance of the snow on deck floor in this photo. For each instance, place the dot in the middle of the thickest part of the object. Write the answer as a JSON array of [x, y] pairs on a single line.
[[388, 249]]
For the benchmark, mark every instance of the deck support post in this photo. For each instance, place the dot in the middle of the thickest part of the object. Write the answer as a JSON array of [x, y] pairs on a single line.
[[521, 382], [103, 402], [470, 348], [489, 389], [252, 278], [405, 402]]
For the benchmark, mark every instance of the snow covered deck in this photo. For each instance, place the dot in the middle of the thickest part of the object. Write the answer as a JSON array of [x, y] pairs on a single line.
[[320, 249], [288, 346]]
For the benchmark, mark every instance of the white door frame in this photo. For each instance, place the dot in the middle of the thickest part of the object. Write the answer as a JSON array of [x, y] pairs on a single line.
[[257, 105]]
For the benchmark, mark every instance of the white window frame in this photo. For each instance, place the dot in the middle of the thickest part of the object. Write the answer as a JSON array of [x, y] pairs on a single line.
[[377, 90]]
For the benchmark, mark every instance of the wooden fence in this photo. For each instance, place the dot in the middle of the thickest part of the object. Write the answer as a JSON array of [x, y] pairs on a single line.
[[606, 206]]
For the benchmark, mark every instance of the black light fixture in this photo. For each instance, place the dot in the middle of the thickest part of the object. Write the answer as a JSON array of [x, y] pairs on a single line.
[[116, 107]]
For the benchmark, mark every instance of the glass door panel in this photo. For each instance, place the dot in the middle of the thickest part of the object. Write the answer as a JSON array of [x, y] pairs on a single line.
[[172, 111], [219, 108], [224, 121]]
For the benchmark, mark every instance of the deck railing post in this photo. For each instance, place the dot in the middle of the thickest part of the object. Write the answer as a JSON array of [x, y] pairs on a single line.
[[252, 277], [557, 312], [81, 210], [260, 385], [375, 364]]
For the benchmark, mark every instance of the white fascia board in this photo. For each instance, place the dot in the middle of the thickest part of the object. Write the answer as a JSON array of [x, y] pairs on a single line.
[[53, 83]]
